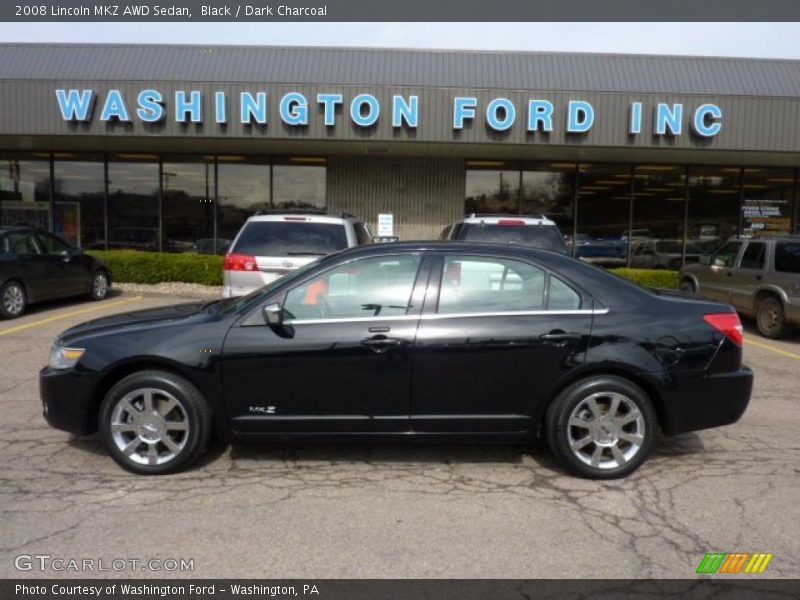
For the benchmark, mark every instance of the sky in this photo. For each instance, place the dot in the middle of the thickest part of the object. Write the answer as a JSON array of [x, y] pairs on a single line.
[[763, 40]]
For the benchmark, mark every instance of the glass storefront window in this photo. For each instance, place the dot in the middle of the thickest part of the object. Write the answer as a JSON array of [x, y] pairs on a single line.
[[603, 214], [492, 188], [79, 192], [767, 201], [547, 189], [25, 189], [659, 201], [133, 193], [713, 207], [298, 182], [242, 189], [187, 185]]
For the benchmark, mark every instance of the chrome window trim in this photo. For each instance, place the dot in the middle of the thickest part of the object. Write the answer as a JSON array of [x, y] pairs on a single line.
[[436, 317]]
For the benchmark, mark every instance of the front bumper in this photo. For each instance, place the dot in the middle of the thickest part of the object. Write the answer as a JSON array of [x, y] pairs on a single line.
[[703, 400], [68, 400]]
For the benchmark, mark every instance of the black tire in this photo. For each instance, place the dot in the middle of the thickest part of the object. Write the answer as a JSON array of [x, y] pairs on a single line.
[[687, 286], [13, 300], [99, 289], [192, 408], [771, 319], [602, 389]]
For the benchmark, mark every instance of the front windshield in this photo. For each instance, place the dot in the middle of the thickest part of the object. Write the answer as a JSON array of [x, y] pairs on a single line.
[[232, 305]]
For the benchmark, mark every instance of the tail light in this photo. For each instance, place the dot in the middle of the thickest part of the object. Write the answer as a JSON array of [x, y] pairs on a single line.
[[240, 262], [729, 324]]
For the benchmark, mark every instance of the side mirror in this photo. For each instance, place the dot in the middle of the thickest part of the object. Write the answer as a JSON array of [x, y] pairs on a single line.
[[705, 259], [273, 314]]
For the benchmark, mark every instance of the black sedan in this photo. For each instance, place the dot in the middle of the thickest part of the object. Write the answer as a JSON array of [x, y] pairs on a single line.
[[428, 340], [37, 266]]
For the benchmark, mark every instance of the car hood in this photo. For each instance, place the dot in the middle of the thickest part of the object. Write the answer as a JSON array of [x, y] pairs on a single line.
[[133, 319]]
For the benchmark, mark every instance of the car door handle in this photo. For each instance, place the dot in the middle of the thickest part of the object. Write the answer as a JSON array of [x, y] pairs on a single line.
[[759, 277], [729, 273], [380, 343], [560, 336]]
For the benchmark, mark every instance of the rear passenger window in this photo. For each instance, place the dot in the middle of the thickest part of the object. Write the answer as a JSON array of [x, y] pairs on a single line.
[[753, 257], [787, 257], [22, 244], [561, 296], [496, 285]]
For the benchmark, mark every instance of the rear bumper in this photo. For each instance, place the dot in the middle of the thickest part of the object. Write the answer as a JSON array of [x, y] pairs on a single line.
[[703, 400], [67, 400]]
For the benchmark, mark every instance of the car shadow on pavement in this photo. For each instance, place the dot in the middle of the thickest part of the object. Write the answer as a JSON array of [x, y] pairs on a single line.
[[444, 453], [71, 302]]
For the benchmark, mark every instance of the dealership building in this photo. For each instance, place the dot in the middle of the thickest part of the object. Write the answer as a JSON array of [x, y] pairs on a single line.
[[171, 148]]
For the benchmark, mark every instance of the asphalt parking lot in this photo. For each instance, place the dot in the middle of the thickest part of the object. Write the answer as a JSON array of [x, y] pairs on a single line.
[[396, 511]]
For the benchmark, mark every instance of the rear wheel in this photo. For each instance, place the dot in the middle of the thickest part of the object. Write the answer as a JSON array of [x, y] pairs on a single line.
[[601, 427], [154, 422], [770, 318], [12, 300], [687, 286]]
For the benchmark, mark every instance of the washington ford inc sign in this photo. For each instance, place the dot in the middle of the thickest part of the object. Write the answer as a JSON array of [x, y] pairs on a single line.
[[364, 110]]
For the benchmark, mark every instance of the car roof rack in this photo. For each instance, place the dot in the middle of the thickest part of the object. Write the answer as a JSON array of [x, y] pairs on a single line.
[[302, 211]]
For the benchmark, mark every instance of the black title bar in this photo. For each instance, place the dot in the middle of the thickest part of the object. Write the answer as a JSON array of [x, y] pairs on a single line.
[[399, 10], [730, 588]]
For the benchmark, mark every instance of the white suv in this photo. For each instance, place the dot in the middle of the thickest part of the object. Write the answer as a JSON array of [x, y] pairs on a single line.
[[539, 232], [271, 244]]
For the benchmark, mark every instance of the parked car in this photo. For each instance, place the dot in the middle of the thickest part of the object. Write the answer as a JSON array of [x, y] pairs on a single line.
[[538, 232], [272, 244], [760, 277], [36, 266], [602, 251], [665, 254], [422, 340]]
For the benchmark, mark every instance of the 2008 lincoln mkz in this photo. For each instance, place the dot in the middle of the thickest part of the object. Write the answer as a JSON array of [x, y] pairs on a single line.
[[428, 340]]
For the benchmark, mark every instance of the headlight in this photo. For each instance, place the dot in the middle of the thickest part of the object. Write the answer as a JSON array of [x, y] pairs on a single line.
[[64, 358]]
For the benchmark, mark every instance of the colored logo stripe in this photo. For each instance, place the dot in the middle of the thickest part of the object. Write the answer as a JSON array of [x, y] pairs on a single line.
[[732, 563]]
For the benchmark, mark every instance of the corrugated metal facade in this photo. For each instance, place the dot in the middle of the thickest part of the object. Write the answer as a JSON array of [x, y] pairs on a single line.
[[421, 193], [432, 68]]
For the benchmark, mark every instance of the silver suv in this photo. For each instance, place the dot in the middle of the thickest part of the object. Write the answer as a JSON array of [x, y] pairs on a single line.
[[760, 277], [271, 244]]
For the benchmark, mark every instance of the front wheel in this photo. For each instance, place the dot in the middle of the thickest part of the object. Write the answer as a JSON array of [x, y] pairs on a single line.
[[100, 285], [155, 422], [770, 318], [601, 427], [687, 286]]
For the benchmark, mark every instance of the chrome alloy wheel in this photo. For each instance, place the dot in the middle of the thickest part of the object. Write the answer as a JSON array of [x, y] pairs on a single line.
[[100, 285], [149, 426], [13, 299], [606, 430]]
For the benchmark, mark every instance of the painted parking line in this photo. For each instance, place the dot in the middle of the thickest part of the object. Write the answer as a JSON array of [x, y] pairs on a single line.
[[773, 348], [74, 313]]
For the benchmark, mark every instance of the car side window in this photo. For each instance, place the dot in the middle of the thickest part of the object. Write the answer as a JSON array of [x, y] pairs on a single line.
[[370, 287], [52, 245], [787, 257], [726, 255], [362, 234], [4, 251], [22, 243], [753, 257], [487, 285], [561, 296]]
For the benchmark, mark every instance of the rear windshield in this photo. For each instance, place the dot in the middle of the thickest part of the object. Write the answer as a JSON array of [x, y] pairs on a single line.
[[286, 238], [787, 257], [540, 236]]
